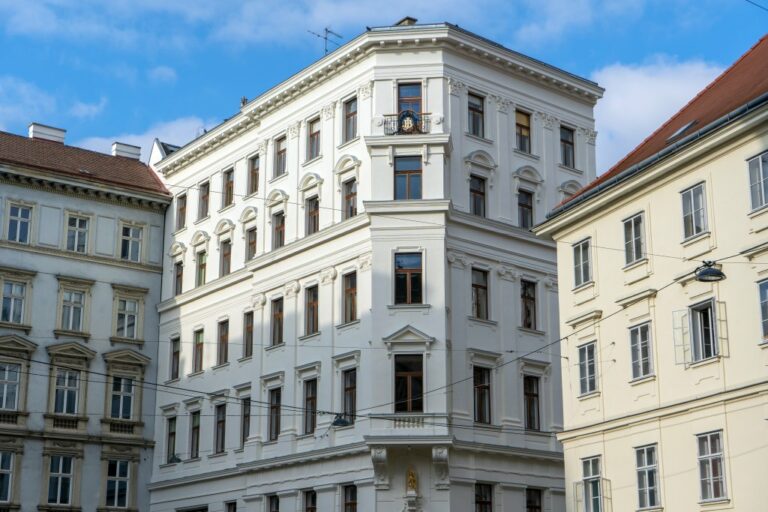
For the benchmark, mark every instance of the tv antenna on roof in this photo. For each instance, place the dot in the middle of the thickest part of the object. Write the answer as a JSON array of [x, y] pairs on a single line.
[[327, 32]]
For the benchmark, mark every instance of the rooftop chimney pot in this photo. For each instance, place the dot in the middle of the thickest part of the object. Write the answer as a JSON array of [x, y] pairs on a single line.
[[406, 21], [41, 131], [126, 150]]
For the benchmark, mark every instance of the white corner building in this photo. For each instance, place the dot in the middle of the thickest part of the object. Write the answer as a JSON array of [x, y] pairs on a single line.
[[355, 315]]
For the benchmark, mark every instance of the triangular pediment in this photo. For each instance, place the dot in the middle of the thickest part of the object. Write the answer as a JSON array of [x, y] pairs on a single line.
[[71, 349], [409, 334], [16, 343], [126, 356]]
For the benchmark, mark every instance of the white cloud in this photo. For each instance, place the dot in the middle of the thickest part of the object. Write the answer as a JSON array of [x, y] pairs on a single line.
[[22, 101], [162, 74], [552, 17], [83, 110], [639, 98]]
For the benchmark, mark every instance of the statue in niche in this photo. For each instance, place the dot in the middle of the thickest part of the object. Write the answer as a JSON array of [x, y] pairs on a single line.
[[411, 482]]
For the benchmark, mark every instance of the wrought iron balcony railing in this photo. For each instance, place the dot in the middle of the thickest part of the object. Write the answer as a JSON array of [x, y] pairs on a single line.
[[407, 122]]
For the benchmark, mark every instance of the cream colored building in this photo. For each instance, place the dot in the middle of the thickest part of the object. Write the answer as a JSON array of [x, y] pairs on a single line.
[[665, 381]]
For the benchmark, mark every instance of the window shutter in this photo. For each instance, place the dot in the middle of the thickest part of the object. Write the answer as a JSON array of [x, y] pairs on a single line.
[[681, 329], [606, 490], [578, 496], [722, 329]]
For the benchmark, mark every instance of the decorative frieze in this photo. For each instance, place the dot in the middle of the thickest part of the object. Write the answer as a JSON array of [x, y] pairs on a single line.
[[329, 110], [455, 87], [547, 120], [589, 134]]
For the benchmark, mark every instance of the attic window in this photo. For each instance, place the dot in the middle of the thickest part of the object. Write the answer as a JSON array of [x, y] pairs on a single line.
[[681, 131]]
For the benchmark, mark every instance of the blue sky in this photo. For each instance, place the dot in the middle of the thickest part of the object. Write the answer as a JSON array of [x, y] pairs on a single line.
[[130, 70]]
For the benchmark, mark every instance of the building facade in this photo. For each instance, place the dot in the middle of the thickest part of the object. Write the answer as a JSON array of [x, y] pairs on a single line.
[[80, 265], [665, 393], [355, 315]]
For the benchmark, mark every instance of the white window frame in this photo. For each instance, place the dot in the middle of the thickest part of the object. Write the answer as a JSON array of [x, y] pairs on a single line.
[[698, 328], [125, 312], [6, 471], [71, 309], [19, 220], [59, 475], [587, 354], [762, 288], [7, 383], [79, 232], [16, 300], [121, 396], [706, 461], [642, 364], [124, 480], [634, 239], [67, 388], [688, 200], [582, 262], [131, 241], [647, 463], [758, 180], [591, 474]]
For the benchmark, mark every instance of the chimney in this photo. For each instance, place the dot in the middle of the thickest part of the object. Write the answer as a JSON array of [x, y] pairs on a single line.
[[406, 21], [126, 150], [41, 131]]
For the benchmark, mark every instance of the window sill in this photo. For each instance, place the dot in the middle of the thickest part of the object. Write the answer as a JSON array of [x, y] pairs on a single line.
[[713, 502], [407, 307], [348, 142], [536, 432], [195, 374], [531, 331], [308, 337], [695, 238], [225, 208], [309, 435], [179, 230], [271, 442], [275, 346], [478, 138], [312, 160], [193, 459], [245, 359], [570, 169], [763, 345], [758, 211], [202, 219], [488, 427], [273, 179], [172, 381], [526, 154], [220, 366], [643, 379], [251, 195], [345, 427], [217, 455], [587, 396], [130, 341], [483, 321], [85, 336], [21, 327], [344, 326], [635, 264], [168, 465], [705, 362], [650, 509]]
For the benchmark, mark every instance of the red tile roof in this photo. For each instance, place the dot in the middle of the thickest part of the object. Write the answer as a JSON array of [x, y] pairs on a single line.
[[81, 164], [745, 80]]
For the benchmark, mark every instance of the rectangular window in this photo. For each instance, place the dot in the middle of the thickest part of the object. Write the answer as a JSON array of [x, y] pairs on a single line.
[[202, 264], [9, 386], [273, 503], [253, 174], [248, 334], [219, 436], [175, 357], [67, 390], [310, 405], [476, 121], [278, 230], [350, 297], [477, 196], [703, 336], [275, 398], [533, 500], [481, 381], [407, 177], [567, 153], [587, 369], [225, 265], [194, 435], [197, 351], [231, 506], [711, 466], [758, 180], [408, 272], [178, 278], [350, 120], [763, 287], [127, 318], [281, 147], [313, 139], [593, 496], [60, 479], [77, 234], [245, 420], [523, 131], [6, 476], [312, 207], [647, 482], [310, 501], [483, 498], [228, 187], [19, 222], [122, 398], [633, 239], [250, 244], [694, 211], [72, 310], [480, 294], [181, 211], [640, 347], [350, 498], [130, 243], [528, 304], [14, 295], [203, 200], [532, 407], [170, 441], [409, 98], [409, 383], [277, 322], [525, 209], [581, 263], [118, 481], [311, 320], [350, 199], [222, 347], [349, 382]]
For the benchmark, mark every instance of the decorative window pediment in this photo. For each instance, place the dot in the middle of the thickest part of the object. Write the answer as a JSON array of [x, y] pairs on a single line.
[[311, 182], [177, 250], [200, 238], [16, 345], [406, 338], [71, 351], [224, 228], [567, 189], [248, 215], [529, 178], [482, 164], [346, 167], [276, 198], [126, 357]]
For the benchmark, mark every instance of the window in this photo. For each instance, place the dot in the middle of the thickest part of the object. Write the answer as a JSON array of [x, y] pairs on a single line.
[[764, 308], [531, 392], [245, 419], [350, 298], [640, 346], [409, 98], [483, 498], [350, 199], [758, 180], [202, 263], [409, 383], [311, 321], [477, 196], [181, 211], [175, 357], [567, 156], [225, 265], [197, 351], [127, 318], [219, 435], [523, 131], [9, 386], [525, 209], [408, 278], [476, 114], [711, 466], [480, 294], [310, 501], [481, 379], [250, 244], [6, 476], [228, 187], [72, 309], [587, 369], [633, 239], [274, 413], [581, 263], [230, 507], [350, 120], [170, 441], [528, 304], [310, 405], [312, 206], [273, 503], [280, 156], [248, 334], [533, 500], [313, 139], [118, 480], [277, 321], [130, 243], [178, 279], [253, 174], [407, 177], [122, 398], [349, 382], [77, 234], [14, 295], [222, 347], [593, 498], [194, 434], [694, 211], [350, 498], [60, 479], [203, 201], [278, 230], [67, 389], [647, 484], [703, 336], [19, 223]]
